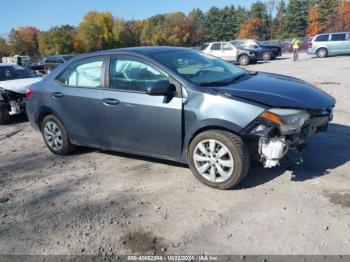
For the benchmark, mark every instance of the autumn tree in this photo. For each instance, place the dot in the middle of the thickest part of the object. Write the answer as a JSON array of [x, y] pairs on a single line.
[[23, 41], [95, 32], [314, 25], [168, 29], [259, 17], [4, 48], [344, 16], [250, 29]]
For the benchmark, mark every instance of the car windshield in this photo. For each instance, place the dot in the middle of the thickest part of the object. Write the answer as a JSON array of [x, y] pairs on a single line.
[[15, 72], [67, 57], [199, 68]]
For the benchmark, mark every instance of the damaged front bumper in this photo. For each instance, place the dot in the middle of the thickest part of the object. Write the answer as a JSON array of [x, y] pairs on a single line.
[[283, 133], [13, 101]]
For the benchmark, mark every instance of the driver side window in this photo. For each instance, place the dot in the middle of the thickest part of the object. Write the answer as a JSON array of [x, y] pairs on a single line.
[[132, 75]]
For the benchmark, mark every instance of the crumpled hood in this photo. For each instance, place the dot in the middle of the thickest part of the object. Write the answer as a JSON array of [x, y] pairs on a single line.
[[279, 91], [19, 85]]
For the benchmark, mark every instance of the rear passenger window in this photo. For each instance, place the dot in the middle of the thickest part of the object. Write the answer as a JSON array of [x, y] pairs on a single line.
[[216, 46], [132, 75], [322, 38], [83, 74], [338, 37]]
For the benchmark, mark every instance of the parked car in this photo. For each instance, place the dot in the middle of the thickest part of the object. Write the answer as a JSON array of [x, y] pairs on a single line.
[[227, 51], [22, 60], [51, 62], [324, 45], [13, 82], [267, 52], [303, 46], [177, 104], [37, 68]]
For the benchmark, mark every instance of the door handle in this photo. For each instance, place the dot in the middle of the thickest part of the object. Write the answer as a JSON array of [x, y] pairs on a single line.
[[57, 94], [110, 101]]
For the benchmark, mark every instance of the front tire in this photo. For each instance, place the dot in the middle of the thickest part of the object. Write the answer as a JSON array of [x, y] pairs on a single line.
[[244, 60], [4, 115], [322, 52], [218, 159], [55, 136]]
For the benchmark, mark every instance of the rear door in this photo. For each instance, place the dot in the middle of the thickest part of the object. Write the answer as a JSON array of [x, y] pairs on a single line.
[[347, 44], [135, 121], [76, 98], [215, 50], [338, 43]]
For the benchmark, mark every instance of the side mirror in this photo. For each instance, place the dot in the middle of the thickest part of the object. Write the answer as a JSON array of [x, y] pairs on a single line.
[[160, 88]]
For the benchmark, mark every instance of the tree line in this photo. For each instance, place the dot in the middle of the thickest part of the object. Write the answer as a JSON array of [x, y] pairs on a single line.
[[264, 20]]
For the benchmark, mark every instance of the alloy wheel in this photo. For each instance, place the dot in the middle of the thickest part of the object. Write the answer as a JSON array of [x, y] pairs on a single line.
[[213, 160], [53, 135], [244, 60]]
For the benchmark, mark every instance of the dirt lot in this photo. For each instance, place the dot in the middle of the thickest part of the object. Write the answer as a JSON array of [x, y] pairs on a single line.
[[95, 202]]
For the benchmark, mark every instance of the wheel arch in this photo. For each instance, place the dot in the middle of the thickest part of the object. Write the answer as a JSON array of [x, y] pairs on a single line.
[[43, 112], [219, 125], [321, 47]]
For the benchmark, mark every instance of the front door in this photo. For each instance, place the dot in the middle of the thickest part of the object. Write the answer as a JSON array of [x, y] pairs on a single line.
[[228, 52], [135, 121]]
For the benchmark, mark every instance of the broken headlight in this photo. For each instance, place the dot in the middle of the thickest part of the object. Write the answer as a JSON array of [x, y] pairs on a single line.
[[289, 121]]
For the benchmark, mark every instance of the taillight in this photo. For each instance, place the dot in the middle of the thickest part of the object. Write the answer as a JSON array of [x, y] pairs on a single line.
[[310, 45], [29, 92]]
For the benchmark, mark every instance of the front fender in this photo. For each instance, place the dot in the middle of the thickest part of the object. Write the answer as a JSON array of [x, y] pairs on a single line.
[[204, 111]]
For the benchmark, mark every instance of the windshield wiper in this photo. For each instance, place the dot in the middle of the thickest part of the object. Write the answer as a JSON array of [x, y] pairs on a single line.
[[223, 82]]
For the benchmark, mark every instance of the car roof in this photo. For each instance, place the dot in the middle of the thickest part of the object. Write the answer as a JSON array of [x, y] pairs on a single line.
[[328, 33], [7, 64], [144, 50]]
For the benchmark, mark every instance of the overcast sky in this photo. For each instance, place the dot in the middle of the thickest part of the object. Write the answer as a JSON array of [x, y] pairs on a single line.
[[46, 13]]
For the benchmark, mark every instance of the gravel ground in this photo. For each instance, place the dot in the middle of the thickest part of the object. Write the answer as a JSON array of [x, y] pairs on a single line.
[[96, 202]]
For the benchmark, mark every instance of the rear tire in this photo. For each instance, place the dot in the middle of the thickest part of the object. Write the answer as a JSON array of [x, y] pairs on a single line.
[[55, 136], [228, 157], [4, 115], [266, 56], [244, 60], [322, 52]]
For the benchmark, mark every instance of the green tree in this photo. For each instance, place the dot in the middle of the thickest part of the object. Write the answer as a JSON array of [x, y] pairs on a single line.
[[295, 20], [278, 20], [57, 40], [328, 10], [221, 24], [95, 32], [258, 11], [4, 48]]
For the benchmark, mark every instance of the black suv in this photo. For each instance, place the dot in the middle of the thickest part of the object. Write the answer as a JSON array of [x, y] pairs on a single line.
[[267, 52], [51, 62]]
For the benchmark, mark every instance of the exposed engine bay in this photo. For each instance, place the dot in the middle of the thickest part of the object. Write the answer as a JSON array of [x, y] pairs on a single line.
[[283, 133]]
